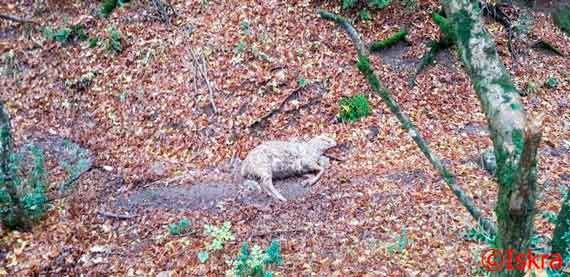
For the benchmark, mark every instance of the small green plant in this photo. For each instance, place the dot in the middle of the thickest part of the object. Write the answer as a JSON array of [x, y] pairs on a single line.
[[61, 35], [109, 6], [347, 4], [114, 43], [303, 82], [550, 216], [531, 87], [478, 234], [401, 243], [551, 82], [9, 64], [240, 47], [93, 42], [219, 236], [244, 26], [66, 34], [353, 108], [364, 15], [380, 4], [411, 5], [256, 262], [78, 31], [180, 228]]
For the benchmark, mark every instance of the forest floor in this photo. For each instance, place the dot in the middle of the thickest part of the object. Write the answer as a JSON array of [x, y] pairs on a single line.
[[161, 154]]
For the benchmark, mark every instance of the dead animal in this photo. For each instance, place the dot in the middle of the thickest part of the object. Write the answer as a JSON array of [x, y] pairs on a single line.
[[282, 159]]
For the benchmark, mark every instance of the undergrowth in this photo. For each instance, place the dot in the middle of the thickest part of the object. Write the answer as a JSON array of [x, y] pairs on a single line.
[[218, 237], [66, 34], [255, 262], [353, 108]]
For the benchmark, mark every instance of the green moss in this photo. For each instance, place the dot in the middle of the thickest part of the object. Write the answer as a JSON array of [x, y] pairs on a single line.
[[353, 108], [515, 106], [463, 24], [364, 65], [444, 25], [518, 141], [393, 39]]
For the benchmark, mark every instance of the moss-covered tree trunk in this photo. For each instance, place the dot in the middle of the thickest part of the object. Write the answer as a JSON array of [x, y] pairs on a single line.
[[515, 140]]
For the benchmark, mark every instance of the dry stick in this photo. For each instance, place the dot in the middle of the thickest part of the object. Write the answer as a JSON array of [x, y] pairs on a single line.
[[200, 65], [17, 19], [279, 108], [407, 124], [117, 216]]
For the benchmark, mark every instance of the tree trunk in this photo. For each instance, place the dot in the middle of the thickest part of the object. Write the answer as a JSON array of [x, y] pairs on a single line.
[[514, 142], [560, 241]]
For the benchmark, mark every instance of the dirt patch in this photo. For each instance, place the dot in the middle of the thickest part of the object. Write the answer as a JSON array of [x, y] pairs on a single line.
[[393, 56], [208, 196]]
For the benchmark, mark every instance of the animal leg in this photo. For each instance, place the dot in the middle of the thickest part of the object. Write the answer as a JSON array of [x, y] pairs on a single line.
[[309, 165], [267, 185]]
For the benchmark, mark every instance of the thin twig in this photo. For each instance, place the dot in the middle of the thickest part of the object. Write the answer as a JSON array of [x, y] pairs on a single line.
[[116, 216], [201, 66], [279, 107]]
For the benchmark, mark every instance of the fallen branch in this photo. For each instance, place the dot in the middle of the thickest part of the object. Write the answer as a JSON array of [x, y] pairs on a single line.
[[116, 216], [365, 68], [279, 107], [17, 19]]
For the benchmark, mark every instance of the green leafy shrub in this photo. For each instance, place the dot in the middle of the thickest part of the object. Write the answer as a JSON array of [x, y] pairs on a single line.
[[551, 82], [114, 41], [411, 5], [402, 241], [23, 198], [177, 229], [66, 34], [353, 108], [380, 4], [256, 262], [93, 42], [219, 236], [364, 14], [109, 6]]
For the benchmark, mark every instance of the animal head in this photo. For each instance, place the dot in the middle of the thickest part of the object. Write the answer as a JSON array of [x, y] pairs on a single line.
[[322, 143]]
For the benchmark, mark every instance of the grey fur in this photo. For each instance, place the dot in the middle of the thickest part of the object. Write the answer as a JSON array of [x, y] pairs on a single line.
[[281, 159]]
